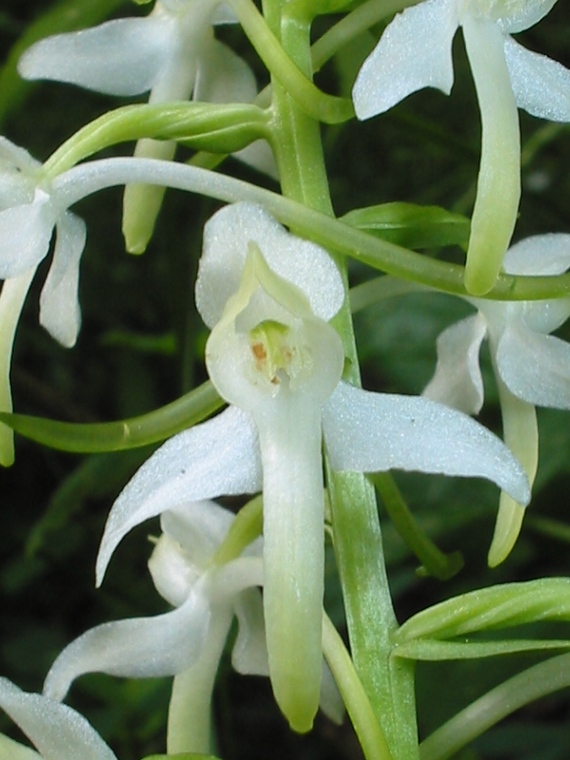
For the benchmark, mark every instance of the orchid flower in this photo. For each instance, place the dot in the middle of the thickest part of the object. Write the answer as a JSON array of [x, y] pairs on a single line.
[[29, 211], [415, 52], [268, 296], [532, 368], [57, 731], [174, 54], [187, 642]]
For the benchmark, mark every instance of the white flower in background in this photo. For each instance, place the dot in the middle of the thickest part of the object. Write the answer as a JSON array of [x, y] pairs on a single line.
[[174, 54], [532, 368], [415, 52], [57, 731], [189, 641], [29, 211], [267, 295]]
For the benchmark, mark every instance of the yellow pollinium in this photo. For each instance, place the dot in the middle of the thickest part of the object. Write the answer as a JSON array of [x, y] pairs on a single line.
[[274, 348]]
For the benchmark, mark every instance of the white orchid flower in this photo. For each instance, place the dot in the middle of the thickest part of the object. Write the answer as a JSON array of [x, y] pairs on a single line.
[[187, 642], [173, 53], [29, 211], [267, 295], [57, 731], [532, 368], [415, 52]]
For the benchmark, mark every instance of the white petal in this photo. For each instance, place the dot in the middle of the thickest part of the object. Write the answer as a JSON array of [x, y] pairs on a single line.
[[121, 57], [546, 316], [25, 232], [539, 254], [457, 381], [534, 367], [519, 15], [18, 157], [173, 574], [226, 238], [12, 298], [199, 527], [249, 655], [60, 313], [541, 85], [223, 77], [369, 432], [220, 456], [58, 732], [137, 648], [414, 52], [11, 750], [224, 14]]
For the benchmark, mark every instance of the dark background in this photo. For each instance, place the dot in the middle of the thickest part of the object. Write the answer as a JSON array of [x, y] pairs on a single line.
[[141, 346]]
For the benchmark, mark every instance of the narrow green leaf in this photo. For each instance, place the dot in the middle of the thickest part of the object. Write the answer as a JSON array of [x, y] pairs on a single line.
[[511, 604], [124, 434], [220, 127], [431, 649], [64, 16], [410, 225]]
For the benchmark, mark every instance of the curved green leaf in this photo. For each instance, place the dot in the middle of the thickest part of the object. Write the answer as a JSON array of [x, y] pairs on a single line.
[[410, 225], [511, 604], [220, 127], [124, 434], [433, 650]]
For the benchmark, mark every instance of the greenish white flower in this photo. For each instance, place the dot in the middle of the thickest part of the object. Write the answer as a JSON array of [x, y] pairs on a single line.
[[415, 51], [29, 212], [187, 642], [172, 53], [532, 367], [268, 296]]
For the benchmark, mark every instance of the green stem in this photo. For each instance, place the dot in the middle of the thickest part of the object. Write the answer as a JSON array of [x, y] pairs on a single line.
[[368, 730], [321, 228], [387, 682], [153, 427], [322, 107]]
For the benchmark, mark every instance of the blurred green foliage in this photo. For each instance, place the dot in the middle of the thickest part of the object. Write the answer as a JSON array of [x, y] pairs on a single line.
[[141, 346]]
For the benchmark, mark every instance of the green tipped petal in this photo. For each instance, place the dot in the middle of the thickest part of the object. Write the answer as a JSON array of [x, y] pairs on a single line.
[[142, 203], [521, 436], [12, 299], [498, 185]]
